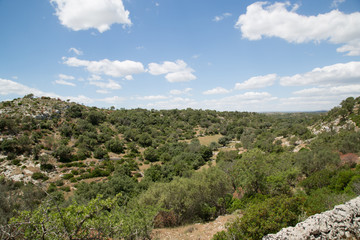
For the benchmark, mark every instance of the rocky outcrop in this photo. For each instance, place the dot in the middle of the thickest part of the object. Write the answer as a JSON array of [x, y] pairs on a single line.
[[343, 222]]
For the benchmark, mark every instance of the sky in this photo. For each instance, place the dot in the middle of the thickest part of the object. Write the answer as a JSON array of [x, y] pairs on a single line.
[[225, 55]]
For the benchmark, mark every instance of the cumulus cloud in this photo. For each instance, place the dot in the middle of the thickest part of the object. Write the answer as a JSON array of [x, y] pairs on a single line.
[[217, 90], [79, 99], [180, 92], [111, 68], [257, 82], [64, 82], [177, 71], [262, 19], [249, 101], [173, 103], [66, 77], [85, 14], [153, 97], [129, 77], [11, 87], [110, 84], [309, 103], [76, 51], [337, 74], [183, 76], [112, 100], [352, 89], [336, 3], [8, 87], [221, 17]]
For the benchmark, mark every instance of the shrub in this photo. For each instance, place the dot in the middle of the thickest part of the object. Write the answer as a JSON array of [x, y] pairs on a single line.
[[266, 217], [67, 176], [198, 197], [115, 146], [63, 153], [100, 153], [47, 167], [39, 175]]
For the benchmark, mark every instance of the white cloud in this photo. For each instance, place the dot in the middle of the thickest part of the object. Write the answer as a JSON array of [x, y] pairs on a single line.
[[129, 77], [111, 68], [309, 103], [66, 77], [221, 17], [154, 97], [353, 48], [102, 91], [249, 101], [85, 14], [94, 77], [262, 19], [330, 91], [183, 76], [337, 74], [217, 90], [80, 99], [112, 100], [257, 82], [336, 3], [173, 103], [180, 92], [64, 82], [76, 51], [110, 84], [177, 71], [166, 67], [8, 87]]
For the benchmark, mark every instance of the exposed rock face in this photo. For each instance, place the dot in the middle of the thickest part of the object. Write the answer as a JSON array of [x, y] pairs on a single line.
[[343, 222]]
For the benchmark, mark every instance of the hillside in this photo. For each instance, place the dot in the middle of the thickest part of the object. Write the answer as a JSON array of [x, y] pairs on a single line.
[[166, 168]]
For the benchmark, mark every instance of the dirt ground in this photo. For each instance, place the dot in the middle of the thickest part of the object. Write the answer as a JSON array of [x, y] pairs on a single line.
[[197, 231]]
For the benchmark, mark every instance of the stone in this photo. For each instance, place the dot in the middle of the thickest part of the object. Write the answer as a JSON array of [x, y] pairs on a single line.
[[341, 222]]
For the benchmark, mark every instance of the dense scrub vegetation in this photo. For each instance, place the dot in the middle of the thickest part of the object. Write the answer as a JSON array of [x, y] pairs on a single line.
[[106, 173]]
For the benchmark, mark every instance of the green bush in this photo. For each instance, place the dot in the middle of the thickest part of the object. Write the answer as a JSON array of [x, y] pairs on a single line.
[[266, 217], [100, 153], [39, 175], [47, 167], [199, 197], [67, 176], [115, 146], [63, 153]]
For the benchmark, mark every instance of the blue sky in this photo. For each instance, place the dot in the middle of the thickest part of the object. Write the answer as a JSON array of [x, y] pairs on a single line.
[[241, 55]]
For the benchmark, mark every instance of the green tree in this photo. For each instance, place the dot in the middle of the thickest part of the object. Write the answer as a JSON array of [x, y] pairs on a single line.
[[63, 153]]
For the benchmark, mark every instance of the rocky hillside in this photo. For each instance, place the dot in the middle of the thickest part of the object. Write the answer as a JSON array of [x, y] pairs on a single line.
[[343, 222], [170, 168]]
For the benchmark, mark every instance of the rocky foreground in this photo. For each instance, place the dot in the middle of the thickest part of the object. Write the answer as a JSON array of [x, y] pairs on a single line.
[[343, 222]]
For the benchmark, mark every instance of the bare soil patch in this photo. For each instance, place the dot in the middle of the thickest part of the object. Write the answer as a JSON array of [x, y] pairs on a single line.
[[197, 231], [206, 140]]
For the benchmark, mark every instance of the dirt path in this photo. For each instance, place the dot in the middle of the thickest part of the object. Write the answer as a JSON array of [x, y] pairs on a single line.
[[197, 231]]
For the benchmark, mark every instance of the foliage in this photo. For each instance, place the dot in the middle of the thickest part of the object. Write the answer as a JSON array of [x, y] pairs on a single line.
[[199, 197], [267, 170], [99, 219], [266, 217], [39, 175], [63, 153]]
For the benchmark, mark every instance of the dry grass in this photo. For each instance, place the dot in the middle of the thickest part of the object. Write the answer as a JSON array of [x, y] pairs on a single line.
[[209, 139]]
